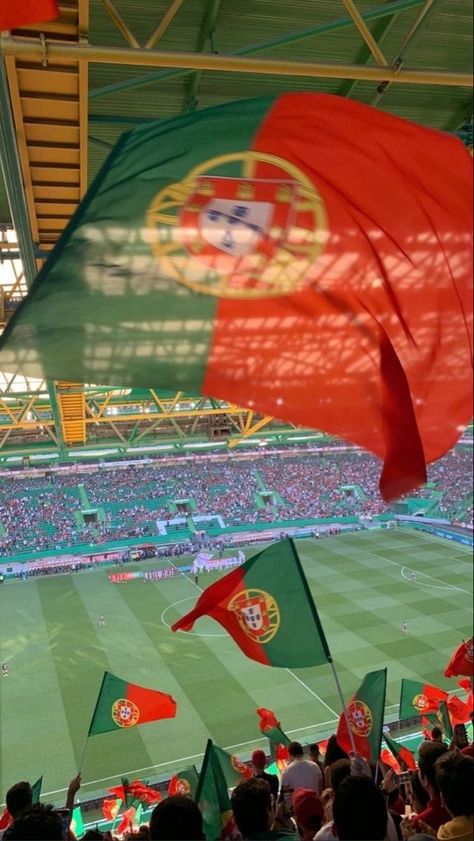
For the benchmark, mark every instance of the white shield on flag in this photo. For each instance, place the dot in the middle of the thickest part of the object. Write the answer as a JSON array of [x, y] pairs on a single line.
[[234, 226], [253, 617]]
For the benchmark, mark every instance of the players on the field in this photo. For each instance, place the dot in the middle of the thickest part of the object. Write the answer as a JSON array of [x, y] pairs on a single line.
[[196, 579], [412, 576], [404, 629], [4, 669], [101, 621]]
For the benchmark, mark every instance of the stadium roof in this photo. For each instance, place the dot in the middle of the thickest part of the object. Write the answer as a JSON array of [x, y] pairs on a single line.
[[69, 88]]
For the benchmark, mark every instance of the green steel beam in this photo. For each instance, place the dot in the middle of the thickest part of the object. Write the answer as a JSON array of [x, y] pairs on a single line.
[[62, 449], [206, 29], [291, 38], [13, 179], [410, 41], [380, 30]]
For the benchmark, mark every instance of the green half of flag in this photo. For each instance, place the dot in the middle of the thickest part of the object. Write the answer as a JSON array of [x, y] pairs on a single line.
[[212, 797], [121, 705], [36, 790], [418, 698], [268, 609], [77, 822], [270, 727], [365, 712]]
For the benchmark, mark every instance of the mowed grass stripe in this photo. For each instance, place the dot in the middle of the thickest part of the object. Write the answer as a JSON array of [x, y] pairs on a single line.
[[80, 662], [132, 655], [32, 716], [219, 699]]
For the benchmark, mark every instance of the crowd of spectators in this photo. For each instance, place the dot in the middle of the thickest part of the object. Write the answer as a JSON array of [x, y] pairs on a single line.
[[44, 513], [340, 798]]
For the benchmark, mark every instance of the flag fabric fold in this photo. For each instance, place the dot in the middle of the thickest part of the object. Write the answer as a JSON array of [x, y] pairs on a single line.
[[111, 807], [417, 698], [270, 727], [21, 13], [365, 713], [248, 252], [401, 753], [267, 608], [121, 704], [462, 660], [213, 799]]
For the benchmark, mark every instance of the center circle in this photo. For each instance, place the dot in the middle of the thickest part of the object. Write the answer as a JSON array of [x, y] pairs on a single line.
[[193, 633]]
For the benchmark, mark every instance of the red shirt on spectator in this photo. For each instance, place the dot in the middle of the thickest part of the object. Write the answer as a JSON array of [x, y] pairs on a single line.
[[434, 815]]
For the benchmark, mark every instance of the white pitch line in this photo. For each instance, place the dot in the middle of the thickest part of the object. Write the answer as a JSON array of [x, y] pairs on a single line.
[[308, 689], [424, 583]]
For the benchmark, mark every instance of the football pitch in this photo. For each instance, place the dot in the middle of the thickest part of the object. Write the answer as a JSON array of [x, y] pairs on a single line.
[[56, 652]]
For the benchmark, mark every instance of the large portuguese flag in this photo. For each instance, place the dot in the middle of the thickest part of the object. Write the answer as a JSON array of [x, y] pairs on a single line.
[[365, 713], [461, 661], [267, 607], [121, 705], [304, 255], [417, 698]]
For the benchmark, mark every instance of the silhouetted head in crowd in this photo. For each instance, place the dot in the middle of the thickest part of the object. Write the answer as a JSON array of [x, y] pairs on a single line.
[[93, 835], [259, 760], [314, 752], [455, 779], [252, 807], [340, 769], [295, 750], [19, 797], [177, 818], [437, 734], [333, 752], [37, 823], [419, 795], [428, 753], [359, 810]]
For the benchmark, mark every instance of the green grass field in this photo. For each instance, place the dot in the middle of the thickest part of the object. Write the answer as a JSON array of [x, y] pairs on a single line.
[[56, 653]]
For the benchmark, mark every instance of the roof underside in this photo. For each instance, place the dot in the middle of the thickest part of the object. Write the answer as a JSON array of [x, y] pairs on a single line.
[[61, 114]]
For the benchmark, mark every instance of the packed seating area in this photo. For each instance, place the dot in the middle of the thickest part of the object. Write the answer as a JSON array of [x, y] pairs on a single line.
[[318, 797], [43, 513]]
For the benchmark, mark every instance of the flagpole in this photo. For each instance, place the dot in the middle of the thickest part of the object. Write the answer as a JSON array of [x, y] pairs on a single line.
[[344, 709], [83, 755]]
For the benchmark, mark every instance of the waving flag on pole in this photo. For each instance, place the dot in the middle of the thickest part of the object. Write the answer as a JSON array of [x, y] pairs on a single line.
[[267, 608], [417, 698], [365, 713], [401, 753], [462, 660], [249, 252], [121, 704]]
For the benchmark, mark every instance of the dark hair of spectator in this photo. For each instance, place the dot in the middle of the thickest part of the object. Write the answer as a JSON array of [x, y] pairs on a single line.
[[418, 792], [93, 835], [295, 749], [436, 734], [455, 778], [177, 818], [333, 752], [251, 804], [359, 810], [37, 823], [428, 753], [314, 749], [19, 797], [340, 769]]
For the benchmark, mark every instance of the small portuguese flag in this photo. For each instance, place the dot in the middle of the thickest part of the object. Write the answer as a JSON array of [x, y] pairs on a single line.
[[401, 753], [212, 797], [417, 698], [121, 705], [235, 771], [266, 606], [234, 251], [185, 782], [270, 727], [365, 712], [462, 660]]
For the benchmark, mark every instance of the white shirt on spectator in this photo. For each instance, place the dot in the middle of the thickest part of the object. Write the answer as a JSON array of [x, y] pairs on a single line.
[[302, 773]]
